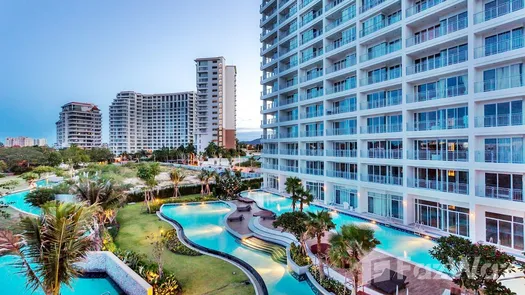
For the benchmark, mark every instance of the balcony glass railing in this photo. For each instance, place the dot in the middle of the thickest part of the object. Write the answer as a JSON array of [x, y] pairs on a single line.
[[332, 4], [270, 151], [289, 100], [388, 101], [270, 166], [438, 185], [340, 131], [267, 31], [342, 174], [436, 155], [348, 85], [500, 10], [268, 15], [287, 16], [311, 55], [499, 47], [432, 94], [451, 27], [312, 133], [290, 168], [437, 63], [309, 37], [304, 3], [312, 95], [313, 171], [378, 78], [312, 153], [499, 120], [382, 179], [288, 66], [312, 114], [289, 135], [381, 128], [422, 6], [502, 193], [382, 154], [445, 124], [293, 45], [341, 109], [343, 19], [369, 4], [288, 32], [350, 61], [341, 153], [310, 17], [378, 26], [339, 43], [288, 84], [287, 118], [289, 152], [311, 75], [269, 121], [382, 51], [269, 136], [503, 157], [499, 84]]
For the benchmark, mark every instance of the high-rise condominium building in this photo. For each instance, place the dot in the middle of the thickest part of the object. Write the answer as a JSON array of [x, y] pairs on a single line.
[[216, 103], [410, 111], [23, 141], [79, 124], [151, 121]]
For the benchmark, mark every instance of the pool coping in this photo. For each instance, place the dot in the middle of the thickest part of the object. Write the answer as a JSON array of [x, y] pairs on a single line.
[[19, 191], [442, 274], [255, 278]]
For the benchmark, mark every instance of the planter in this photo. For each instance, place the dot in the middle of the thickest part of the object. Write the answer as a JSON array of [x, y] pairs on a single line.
[[299, 270], [316, 287]]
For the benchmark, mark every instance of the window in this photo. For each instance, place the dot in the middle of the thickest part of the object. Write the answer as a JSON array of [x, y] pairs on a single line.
[[385, 205], [504, 186], [504, 230], [452, 219], [345, 195], [503, 150], [503, 114], [503, 78]]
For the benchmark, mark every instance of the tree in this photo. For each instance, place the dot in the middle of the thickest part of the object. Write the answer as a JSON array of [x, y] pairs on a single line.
[[100, 155], [39, 197], [44, 170], [294, 223], [228, 184], [50, 246], [176, 176], [211, 150], [30, 177], [476, 267], [317, 225], [305, 198], [75, 155], [54, 159], [148, 172], [292, 186], [350, 246], [3, 166]]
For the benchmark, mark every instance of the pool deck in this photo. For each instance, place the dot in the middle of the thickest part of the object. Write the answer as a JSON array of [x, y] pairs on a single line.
[[242, 227]]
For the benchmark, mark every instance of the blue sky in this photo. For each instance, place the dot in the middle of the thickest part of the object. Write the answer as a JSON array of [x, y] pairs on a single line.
[[54, 51]]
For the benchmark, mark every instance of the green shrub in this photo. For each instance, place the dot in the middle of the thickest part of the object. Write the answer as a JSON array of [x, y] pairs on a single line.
[[40, 196], [298, 256], [176, 246], [155, 206], [329, 284]]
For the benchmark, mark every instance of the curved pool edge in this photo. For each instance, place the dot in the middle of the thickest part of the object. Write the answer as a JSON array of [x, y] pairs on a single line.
[[255, 278], [19, 191]]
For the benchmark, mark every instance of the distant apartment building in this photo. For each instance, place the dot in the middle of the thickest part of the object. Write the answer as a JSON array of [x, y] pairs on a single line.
[[216, 103], [151, 121], [23, 141], [79, 124], [409, 111]]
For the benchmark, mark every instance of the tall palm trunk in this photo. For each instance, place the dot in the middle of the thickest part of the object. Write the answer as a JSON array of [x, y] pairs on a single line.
[[321, 269]]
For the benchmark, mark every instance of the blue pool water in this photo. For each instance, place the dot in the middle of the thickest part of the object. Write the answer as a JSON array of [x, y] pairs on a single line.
[[14, 283], [398, 243], [17, 200], [204, 225]]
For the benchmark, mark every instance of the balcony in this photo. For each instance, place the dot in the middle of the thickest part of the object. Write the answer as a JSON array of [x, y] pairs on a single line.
[[294, 169], [268, 31], [312, 152], [270, 151], [499, 84], [310, 18], [373, 79], [342, 174], [309, 37], [267, 16], [382, 179], [269, 121], [341, 109], [502, 157], [349, 62], [311, 55], [312, 114], [499, 47], [499, 120], [375, 129], [438, 155], [420, 7], [312, 171], [382, 154], [270, 166], [288, 66], [341, 131], [289, 84], [378, 26], [269, 136], [430, 35], [445, 124], [288, 118], [289, 152], [305, 3], [341, 153], [437, 63], [501, 10], [438, 185], [290, 100], [379, 52], [369, 5], [340, 43], [312, 95], [289, 135], [500, 193], [376, 104], [269, 106], [342, 20], [287, 16], [348, 85], [312, 133], [332, 4], [437, 94]]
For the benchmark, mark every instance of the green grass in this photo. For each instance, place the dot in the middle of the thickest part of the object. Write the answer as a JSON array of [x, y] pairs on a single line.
[[197, 275]]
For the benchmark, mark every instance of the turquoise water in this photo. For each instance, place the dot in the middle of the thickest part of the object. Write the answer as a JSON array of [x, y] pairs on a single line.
[[398, 243], [14, 283], [17, 201], [204, 225]]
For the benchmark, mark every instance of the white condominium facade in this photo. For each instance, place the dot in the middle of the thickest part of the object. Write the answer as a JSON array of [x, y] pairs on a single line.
[[79, 124], [216, 103], [23, 141], [408, 111], [151, 121]]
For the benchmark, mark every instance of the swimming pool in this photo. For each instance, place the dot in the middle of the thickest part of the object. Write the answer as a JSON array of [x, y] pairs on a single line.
[[395, 242], [14, 283], [17, 200], [204, 225]]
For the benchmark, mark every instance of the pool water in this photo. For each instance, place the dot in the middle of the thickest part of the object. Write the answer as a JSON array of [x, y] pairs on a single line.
[[17, 200], [400, 244], [204, 225], [14, 283]]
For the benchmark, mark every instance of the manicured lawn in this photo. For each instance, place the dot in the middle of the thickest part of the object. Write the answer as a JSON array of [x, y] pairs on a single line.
[[197, 275]]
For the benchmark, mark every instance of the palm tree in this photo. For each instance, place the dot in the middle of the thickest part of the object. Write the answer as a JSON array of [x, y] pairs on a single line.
[[177, 176], [202, 180], [292, 186], [305, 198], [317, 225], [356, 241], [51, 246]]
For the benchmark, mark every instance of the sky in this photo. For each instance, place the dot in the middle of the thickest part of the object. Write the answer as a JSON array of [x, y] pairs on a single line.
[[54, 51]]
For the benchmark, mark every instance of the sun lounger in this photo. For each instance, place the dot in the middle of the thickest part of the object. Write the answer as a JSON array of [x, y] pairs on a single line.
[[245, 200], [389, 281], [244, 208], [265, 214], [236, 218]]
